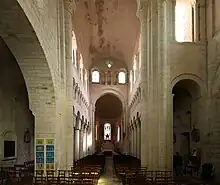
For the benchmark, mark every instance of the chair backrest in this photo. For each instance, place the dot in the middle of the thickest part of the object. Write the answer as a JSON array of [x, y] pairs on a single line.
[[207, 171]]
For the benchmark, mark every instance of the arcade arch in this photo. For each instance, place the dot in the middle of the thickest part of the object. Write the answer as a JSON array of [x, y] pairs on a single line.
[[187, 106], [108, 112], [16, 119], [32, 61]]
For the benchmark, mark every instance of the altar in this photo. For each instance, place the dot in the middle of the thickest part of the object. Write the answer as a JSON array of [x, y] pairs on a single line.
[[107, 146]]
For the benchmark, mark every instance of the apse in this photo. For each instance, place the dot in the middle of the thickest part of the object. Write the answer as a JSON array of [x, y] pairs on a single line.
[[108, 119], [108, 107]]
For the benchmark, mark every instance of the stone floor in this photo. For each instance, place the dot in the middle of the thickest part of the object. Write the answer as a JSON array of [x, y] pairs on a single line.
[[109, 177]]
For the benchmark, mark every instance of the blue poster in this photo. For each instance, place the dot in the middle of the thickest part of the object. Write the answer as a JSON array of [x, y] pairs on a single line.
[[40, 148], [50, 148], [40, 155], [50, 155], [50, 160], [39, 160]]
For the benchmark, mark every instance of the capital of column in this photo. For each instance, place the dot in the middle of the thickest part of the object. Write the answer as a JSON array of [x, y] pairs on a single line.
[[142, 9], [85, 127], [130, 128], [76, 129], [138, 121], [135, 124]]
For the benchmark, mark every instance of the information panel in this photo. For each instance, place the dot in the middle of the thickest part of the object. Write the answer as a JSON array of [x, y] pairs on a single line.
[[45, 154], [50, 154], [40, 154]]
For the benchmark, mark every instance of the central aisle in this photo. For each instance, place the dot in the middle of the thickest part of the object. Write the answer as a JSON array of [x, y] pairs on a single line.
[[109, 177]]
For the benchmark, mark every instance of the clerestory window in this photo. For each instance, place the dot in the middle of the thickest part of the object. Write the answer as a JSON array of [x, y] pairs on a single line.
[[95, 76]]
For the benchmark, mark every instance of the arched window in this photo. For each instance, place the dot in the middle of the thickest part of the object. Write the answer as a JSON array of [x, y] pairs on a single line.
[[74, 48], [107, 131], [121, 77], [95, 76], [118, 134]]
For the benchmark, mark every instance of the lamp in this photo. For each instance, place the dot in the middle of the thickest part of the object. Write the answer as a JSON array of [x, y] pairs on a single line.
[[27, 136], [109, 63]]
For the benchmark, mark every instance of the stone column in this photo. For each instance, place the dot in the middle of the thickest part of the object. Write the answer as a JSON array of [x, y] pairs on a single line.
[[81, 144], [155, 84], [68, 13], [81, 131], [131, 139], [77, 143], [84, 140], [131, 142], [86, 145], [138, 139], [74, 136], [144, 57], [106, 78], [135, 139], [93, 128]]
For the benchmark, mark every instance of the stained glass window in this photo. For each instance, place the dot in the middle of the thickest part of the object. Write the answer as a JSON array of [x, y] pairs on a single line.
[[107, 131]]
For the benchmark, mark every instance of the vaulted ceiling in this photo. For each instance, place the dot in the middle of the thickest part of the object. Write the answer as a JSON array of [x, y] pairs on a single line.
[[106, 28]]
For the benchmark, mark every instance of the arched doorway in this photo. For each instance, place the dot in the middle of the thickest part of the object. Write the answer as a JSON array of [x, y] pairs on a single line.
[[186, 122], [16, 119], [108, 112]]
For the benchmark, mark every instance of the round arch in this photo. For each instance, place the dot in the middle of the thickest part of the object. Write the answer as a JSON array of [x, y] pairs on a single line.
[[114, 92], [188, 104], [190, 88], [78, 125], [108, 107], [28, 52], [192, 77]]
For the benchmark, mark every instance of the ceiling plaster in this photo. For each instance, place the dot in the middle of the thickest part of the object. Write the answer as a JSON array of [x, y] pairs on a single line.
[[106, 28]]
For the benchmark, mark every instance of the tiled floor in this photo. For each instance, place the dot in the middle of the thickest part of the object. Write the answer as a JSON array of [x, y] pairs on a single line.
[[109, 178]]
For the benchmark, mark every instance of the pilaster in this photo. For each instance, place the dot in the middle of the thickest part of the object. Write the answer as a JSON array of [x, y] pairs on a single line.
[[81, 131], [135, 138], [155, 115], [77, 143], [85, 140], [69, 134], [143, 11], [131, 140], [138, 138]]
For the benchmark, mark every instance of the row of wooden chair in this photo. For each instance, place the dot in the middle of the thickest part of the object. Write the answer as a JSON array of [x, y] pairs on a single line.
[[17, 173], [86, 171], [129, 170]]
